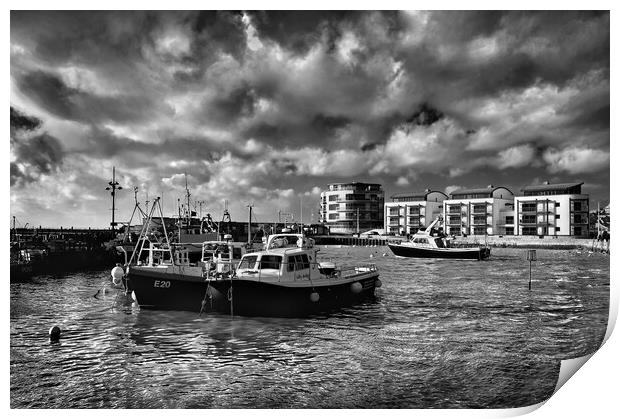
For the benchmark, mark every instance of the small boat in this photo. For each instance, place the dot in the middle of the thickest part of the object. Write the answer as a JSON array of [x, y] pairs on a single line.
[[283, 280], [425, 245]]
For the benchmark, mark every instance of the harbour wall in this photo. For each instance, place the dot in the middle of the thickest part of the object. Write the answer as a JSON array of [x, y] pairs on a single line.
[[530, 242]]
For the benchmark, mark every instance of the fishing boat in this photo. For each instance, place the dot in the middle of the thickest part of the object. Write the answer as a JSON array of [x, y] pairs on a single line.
[[424, 244], [284, 279]]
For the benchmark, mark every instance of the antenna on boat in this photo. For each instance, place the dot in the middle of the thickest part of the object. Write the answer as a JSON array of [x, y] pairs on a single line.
[[250, 223], [114, 186]]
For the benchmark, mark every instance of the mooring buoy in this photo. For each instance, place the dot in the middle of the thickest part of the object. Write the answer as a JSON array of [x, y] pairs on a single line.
[[54, 334]]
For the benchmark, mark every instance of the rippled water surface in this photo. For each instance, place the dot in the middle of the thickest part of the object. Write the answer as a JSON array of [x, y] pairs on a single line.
[[439, 334]]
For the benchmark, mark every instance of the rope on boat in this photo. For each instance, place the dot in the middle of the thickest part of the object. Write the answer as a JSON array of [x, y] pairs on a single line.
[[204, 300], [230, 295]]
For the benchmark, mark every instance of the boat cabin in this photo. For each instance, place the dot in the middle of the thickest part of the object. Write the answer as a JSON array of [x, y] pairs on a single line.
[[428, 241], [286, 257]]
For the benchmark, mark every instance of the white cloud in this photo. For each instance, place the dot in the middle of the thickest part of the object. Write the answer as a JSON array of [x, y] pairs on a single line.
[[402, 181], [576, 160], [449, 189], [517, 156]]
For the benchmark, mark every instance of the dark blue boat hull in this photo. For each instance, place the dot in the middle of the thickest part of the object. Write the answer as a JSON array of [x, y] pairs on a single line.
[[244, 297], [477, 253]]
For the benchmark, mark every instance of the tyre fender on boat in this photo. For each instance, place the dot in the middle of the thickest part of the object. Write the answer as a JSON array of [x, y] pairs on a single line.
[[356, 288], [117, 275], [314, 297]]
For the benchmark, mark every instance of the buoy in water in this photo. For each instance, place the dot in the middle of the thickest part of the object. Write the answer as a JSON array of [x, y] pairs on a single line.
[[117, 274], [356, 288], [378, 283], [314, 297], [372, 256], [54, 334], [385, 254]]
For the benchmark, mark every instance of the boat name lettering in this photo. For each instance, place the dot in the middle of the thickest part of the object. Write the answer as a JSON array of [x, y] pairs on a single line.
[[161, 284]]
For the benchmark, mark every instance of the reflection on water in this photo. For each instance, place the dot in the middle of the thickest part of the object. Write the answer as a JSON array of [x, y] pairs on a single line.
[[438, 334]]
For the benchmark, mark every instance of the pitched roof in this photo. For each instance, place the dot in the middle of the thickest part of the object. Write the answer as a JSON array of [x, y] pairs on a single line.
[[488, 190], [420, 195], [550, 187]]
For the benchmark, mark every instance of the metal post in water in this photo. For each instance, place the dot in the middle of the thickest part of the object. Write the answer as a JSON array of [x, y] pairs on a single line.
[[531, 256]]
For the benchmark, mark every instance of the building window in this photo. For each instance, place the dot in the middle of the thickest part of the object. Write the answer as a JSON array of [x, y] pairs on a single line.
[[333, 197], [557, 204], [480, 230], [333, 216], [529, 231], [528, 206], [528, 219], [510, 231], [510, 219], [333, 207], [557, 216]]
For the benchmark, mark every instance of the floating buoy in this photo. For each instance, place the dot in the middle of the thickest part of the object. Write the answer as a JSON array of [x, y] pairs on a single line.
[[356, 288], [54, 334], [385, 254], [314, 297], [117, 274], [378, 283], [372, 256]]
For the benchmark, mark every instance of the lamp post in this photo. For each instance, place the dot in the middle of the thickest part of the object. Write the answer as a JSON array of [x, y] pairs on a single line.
[[114, 186]]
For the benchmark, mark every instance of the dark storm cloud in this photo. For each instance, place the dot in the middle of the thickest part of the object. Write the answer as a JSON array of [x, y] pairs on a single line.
[[22, 122], [298, 31], [50, 92], [35, 153], [35, 156], [103, 143]]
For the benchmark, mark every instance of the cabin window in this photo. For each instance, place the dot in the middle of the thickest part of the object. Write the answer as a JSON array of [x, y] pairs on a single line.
[[248, 262], [298, 262], [270, 262], [420, 240]]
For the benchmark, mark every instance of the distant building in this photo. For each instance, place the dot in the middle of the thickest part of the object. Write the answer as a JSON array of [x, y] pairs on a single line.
[[552, 210], [351, 207], [410, 212], [479, 211]]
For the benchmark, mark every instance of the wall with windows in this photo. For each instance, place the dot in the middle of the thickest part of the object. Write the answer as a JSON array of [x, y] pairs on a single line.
[[477, 216], [408, 214], [552, 215], [344, 206]]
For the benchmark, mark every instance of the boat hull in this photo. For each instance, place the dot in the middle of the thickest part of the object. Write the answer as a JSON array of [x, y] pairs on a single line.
[[477, 253], [161, 291]]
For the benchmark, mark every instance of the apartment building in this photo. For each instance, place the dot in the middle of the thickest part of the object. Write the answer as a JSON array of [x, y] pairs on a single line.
[[410, 212], [479, 211], [352, 207], [552, 210]]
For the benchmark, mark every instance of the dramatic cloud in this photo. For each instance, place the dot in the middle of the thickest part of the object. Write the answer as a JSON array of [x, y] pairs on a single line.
[[576, 160], [269, 107]]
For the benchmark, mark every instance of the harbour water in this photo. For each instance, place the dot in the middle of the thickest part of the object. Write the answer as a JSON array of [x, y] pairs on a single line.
[[439, 334]]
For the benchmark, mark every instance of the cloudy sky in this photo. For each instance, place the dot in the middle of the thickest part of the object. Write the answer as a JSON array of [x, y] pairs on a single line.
[[269, 107]]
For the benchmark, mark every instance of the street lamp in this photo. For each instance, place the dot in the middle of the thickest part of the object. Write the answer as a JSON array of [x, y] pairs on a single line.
[[114, 186]]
